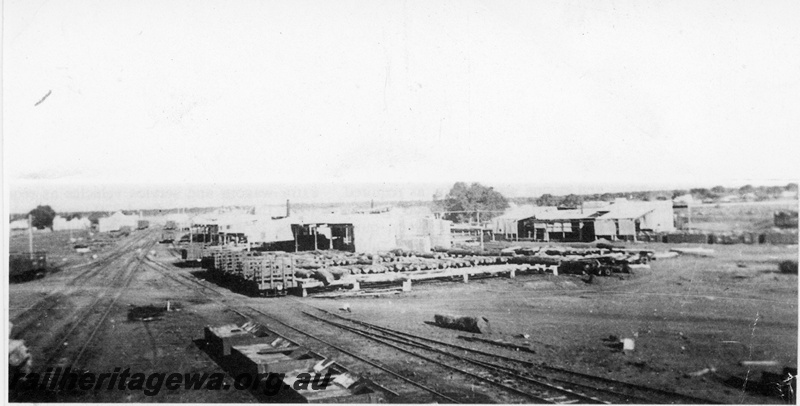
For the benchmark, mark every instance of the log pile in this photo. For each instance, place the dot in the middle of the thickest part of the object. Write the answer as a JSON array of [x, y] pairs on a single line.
[[330, 265]]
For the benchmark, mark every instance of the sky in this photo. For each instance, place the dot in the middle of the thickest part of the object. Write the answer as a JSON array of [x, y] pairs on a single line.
[[112, 103]]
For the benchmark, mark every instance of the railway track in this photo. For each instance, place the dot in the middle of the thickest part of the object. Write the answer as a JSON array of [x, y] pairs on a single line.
[[534, 390], [68, 344], [612, 391], [523, 388], [249, 312], [521, 378], [93, 315], [26, 316], [106, 303]]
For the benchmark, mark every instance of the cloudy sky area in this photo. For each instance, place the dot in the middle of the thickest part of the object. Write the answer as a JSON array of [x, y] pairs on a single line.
[[318, 96]]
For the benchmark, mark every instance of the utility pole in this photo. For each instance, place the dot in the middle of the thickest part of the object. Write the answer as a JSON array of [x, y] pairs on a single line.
[[689, 211], [30, 235], [315, 238], [481, 227]]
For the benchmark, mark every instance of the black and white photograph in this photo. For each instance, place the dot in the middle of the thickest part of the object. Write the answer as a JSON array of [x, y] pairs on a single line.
[[400, 201]]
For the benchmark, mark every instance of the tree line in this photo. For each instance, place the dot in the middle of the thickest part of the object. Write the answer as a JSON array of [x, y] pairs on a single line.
[[463, 201]]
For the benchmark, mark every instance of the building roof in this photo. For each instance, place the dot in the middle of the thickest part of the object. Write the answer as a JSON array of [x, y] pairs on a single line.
[[524, 212], [563, 215], [626, 212], [268, 230]]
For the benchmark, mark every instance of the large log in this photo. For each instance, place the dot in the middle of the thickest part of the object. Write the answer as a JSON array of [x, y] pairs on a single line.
[[303, 273], [338, 272], [324, 276], [533, 260], [463, 323]]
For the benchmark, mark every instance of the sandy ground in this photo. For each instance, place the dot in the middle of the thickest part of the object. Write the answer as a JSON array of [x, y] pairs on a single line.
[[685, 314]]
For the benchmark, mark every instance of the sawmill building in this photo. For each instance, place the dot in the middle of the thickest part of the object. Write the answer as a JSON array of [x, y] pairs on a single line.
[[621, 220]]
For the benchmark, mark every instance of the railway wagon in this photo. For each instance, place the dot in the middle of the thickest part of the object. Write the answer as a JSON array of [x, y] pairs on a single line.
[[23, 265], [167, 237], [269, 275], [192, 253], [254, 273], [254, 350]]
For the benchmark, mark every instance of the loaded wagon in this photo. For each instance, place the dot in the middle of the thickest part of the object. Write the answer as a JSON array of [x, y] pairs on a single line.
[[254, 273], [269, 275], [252, 350], [600, 265]]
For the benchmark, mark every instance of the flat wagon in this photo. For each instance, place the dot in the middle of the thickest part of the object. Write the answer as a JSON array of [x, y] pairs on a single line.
[[254, 273]]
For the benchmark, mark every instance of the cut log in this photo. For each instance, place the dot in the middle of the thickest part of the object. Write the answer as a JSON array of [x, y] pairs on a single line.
[[323, 275], [339, 273], [463, 323], [302, 273]]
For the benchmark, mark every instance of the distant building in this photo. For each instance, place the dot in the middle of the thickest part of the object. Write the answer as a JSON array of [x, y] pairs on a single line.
[[621, 220], [683, 201], [364, 232], [21, 224], [627, 220], [370, 233], [116, 221], [507, 226], [60, 223]]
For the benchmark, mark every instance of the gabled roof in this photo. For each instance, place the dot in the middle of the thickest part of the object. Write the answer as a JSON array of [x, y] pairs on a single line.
[[626, 211], [566, 215], [524, 212]]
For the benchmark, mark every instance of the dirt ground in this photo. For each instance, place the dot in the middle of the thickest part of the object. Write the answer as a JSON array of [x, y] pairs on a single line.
[[685, 314], [743, 216]]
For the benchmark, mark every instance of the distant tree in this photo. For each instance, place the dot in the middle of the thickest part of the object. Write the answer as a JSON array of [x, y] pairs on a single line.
[[746, 189], [701, 193], [679, 192], [43, 217], [572, 201], [470, 199], [774, 191], [719, 190], [607, 197], [791, 187], [547, 200]]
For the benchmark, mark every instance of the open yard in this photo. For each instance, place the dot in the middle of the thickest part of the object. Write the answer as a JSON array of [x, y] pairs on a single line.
[[685, 314], [746, 216]]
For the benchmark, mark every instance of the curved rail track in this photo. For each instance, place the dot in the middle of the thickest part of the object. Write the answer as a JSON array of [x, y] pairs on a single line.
[[66, 342], [99, 310], [248, 311], [85, 272], [521, 379], [614, 391]]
